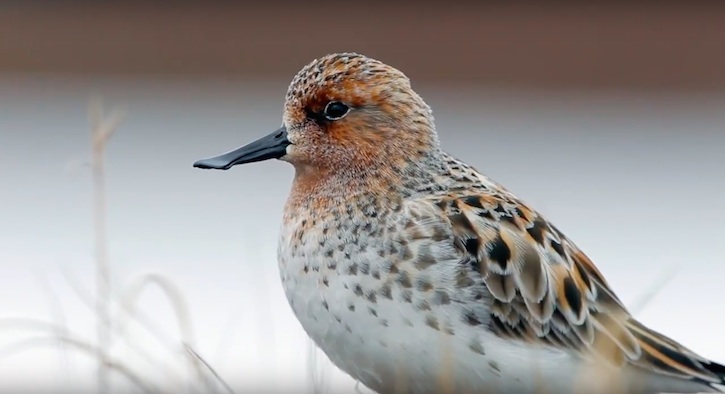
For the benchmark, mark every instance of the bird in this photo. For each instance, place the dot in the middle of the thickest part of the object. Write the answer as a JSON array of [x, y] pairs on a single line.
[[416, 273]]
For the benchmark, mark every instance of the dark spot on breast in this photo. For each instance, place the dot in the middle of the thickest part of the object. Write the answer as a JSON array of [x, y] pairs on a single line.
[[432, 322], [324, 305], [441, 297], [424, 261], [372, 297], [386, 291], [358, 291], [368, 227], [306, 268], [404, 279], [407, 253], [410, 223], [373, 312], [352, 269], [384, 323], [407, 296], [351, 307], [463, 280], [476, 347], [423, 306], [325, 281], [423, 284], [471, 319], [439, 234], [376, 274], [354, 230]]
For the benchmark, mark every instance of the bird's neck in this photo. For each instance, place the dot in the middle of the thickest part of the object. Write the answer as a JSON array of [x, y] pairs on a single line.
[[392, 181]]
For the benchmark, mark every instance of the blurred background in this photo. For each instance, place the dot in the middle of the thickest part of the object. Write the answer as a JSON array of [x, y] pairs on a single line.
[[609, 118]]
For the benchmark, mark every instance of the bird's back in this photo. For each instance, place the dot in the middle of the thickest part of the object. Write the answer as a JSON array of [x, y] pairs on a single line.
[[544, 291]]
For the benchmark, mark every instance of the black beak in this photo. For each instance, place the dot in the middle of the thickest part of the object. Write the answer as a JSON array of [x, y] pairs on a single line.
[[272, 146]]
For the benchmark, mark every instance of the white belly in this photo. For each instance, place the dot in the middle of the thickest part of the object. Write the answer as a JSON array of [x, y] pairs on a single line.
[[392, 346], [403, 330]]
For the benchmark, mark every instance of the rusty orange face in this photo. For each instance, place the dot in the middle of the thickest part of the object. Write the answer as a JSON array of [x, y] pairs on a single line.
[[343, 112]]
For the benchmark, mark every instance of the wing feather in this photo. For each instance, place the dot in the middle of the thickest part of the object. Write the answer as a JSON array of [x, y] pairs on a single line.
[[544, 289]]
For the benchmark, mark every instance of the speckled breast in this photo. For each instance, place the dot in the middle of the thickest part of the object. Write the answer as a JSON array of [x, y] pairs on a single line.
[[360, 293]]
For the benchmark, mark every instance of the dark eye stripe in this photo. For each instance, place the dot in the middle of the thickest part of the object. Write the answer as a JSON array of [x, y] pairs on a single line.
[[316, 116]]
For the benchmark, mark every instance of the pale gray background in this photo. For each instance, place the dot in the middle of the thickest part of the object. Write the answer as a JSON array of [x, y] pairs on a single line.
[[636, 181], [608, 118]]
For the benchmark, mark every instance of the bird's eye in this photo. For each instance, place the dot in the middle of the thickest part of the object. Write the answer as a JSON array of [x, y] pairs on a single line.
[[335, 110]]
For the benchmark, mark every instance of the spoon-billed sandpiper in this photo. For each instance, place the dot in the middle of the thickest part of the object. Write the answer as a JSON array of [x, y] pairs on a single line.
[[414, 272]]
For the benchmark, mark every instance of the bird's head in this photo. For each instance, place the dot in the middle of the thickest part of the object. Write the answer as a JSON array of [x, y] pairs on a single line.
[[344, 112]]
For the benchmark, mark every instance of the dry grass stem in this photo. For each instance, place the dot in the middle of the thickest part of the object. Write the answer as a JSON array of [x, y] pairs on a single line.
[[124, 307], [102, 129], [210, 369]]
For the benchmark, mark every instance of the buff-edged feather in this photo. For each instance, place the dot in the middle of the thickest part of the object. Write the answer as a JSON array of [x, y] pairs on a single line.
[[544, 289]]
